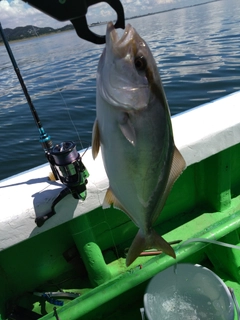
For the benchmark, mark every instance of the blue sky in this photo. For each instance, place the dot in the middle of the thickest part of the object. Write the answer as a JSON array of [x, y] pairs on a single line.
[[14, 13]]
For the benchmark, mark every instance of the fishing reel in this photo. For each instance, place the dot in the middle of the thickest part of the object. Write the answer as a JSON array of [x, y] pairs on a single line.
[[65, 161], [67, 166]]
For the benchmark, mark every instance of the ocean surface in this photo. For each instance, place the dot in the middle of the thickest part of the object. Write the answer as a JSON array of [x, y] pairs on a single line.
[[197, 50]]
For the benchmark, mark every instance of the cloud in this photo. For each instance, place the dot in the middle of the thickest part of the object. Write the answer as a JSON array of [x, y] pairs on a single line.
[[100, 12], [16, 13]]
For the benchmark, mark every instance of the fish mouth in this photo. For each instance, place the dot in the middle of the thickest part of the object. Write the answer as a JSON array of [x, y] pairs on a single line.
[[113, 39], [122, 84]]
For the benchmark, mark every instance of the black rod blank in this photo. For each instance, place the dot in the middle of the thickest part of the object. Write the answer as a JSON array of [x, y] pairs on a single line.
[[25, 91]]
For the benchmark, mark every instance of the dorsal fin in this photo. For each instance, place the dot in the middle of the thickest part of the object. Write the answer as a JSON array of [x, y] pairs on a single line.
[[177, 167], [95, 140]]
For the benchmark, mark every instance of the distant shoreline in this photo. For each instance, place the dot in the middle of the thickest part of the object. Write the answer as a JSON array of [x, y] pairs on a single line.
[[37, 36], [70, 27], [30, 31]]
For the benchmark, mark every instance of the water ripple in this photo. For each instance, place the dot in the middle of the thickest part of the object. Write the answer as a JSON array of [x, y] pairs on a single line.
[[197, 51]]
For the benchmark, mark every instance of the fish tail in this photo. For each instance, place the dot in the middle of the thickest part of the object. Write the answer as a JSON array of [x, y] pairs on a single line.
[[138, 245], [153, 241]]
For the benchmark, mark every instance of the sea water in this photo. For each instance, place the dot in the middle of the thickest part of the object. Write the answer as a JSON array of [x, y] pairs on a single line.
[[196, 50]]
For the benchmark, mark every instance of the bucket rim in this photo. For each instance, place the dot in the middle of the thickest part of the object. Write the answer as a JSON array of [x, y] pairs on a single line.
[[193, 266]]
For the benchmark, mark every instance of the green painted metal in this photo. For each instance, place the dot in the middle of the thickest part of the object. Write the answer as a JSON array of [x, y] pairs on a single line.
[[98, 272], [218, 186], [221, 226], [225, 260], [86, 254]]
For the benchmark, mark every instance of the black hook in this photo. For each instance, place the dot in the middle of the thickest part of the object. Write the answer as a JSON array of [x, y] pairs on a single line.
[[75, 11], [81, 26]]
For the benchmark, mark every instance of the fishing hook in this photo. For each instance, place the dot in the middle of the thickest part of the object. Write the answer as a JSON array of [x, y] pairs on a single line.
[[75, 11]]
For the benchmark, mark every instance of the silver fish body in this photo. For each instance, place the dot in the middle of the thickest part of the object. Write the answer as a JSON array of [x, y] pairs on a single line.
[[133, 128]]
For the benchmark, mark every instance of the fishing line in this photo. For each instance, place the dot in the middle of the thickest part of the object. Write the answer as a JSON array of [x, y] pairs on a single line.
[[111, 234], [63, 158], [223, 244], [108, 229], [61, 95], [105, 221], [85, 151]]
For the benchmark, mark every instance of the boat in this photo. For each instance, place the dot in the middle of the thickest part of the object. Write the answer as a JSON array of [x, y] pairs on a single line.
[[72, 266]]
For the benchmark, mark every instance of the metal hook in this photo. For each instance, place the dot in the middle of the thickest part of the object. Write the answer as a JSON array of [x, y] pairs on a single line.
[[81, 26], [75, 11]]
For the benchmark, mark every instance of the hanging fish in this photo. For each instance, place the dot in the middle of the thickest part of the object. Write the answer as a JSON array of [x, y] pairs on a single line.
[[133, 127]]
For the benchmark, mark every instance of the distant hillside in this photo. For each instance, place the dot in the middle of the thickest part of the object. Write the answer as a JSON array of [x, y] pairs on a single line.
[[20, 33]]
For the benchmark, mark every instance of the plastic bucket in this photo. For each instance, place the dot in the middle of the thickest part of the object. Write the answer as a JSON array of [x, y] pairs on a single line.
[[188, 292]]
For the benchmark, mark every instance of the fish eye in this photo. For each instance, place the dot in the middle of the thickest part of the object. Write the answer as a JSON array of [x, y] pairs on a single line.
[[140, 63]]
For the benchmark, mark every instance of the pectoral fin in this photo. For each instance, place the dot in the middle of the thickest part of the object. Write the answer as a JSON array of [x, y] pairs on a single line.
[[127, 128], [95, 140]]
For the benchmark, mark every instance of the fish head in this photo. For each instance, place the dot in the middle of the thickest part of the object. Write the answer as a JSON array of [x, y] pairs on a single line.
[[126, 70]]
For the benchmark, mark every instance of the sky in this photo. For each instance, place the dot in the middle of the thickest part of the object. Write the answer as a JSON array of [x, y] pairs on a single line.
[[16, 13]]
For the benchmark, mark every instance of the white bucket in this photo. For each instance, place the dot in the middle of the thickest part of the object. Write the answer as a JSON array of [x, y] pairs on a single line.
[[188, 292]]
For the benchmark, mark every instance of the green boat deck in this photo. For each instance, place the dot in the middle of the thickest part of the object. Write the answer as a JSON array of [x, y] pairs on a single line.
[[86, 254]]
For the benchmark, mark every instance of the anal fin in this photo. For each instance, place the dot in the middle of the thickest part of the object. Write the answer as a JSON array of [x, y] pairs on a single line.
[[110, 199]]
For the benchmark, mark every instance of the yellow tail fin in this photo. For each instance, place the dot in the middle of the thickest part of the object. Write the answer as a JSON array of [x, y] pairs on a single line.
[[152, 241]]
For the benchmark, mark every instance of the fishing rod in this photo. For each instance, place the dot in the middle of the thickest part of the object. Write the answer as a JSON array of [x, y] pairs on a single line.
[[45, 139], [64, 160]]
